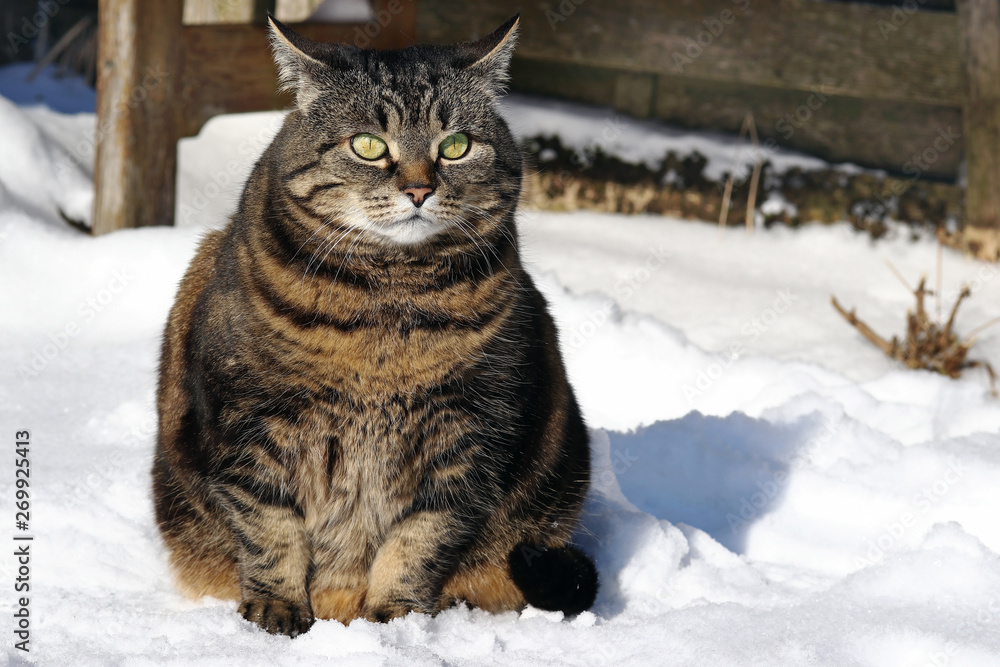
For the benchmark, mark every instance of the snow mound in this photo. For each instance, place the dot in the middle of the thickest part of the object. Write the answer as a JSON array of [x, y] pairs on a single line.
[[42, 172], [586, 128]]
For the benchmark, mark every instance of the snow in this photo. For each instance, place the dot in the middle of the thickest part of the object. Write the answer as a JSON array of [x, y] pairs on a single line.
[[67, 94], [43, 170], [645, 141], [768, 489]]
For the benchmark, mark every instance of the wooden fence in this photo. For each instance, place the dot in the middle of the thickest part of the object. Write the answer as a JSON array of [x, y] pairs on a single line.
[[884, 87], [901, 88], [160, 80]]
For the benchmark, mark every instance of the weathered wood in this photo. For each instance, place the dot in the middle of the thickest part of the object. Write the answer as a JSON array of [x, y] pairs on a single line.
[[871, 133], [228, 68], [207, 12], [634, 93], [792, 44], [295, 11], [138, 84], [980, 22], [159, 80], [204, 12]]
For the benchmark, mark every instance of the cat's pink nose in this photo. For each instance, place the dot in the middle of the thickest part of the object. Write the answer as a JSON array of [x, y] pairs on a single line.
[[418, 193]]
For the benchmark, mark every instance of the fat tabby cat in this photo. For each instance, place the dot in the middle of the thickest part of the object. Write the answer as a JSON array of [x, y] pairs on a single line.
[[363, 409]]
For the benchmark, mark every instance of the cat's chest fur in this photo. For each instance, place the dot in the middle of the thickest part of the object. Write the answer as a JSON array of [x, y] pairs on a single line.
[[374, 329], [357, 465]]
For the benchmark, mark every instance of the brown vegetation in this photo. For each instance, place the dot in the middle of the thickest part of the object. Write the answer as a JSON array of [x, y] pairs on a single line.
[[928, 344]]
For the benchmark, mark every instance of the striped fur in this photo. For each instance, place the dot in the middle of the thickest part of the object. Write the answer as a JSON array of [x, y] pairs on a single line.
[[357, 421]]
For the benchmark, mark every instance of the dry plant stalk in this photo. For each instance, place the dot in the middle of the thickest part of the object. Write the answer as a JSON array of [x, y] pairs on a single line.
[[748, 126], [928, 344]]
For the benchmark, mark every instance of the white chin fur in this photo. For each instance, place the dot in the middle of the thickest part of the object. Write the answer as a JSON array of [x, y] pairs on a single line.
[[410, 228], [409, 232]]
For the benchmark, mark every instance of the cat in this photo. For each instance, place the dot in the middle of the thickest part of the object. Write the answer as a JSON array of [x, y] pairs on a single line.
[[363, 408]]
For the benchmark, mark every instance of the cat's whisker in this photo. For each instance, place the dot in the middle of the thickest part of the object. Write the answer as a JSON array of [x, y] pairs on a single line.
[[459, 223], [332, 243], [311, 237]]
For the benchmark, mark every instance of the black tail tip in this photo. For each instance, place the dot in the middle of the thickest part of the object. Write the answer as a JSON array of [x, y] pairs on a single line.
[[554, 579]]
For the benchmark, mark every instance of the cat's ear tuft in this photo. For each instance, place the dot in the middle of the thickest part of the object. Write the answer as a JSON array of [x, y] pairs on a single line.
[[490, 56], [298, 70]]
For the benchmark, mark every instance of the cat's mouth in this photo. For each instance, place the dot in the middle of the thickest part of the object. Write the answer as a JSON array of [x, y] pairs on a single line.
[[413, 228]]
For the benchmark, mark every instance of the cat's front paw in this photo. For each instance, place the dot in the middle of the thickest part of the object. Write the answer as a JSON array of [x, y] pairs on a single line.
[[384, 612], [278, 617]]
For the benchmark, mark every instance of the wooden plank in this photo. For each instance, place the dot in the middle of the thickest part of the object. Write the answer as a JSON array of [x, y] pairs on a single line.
[[634, 93], [228, 68], [581, 83], [792, 44], [980, 21], [295, 11], [138, 85], [871, 133], [201, 12]]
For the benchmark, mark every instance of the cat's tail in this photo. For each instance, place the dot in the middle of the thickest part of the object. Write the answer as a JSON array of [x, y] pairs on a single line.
[[554, 578]]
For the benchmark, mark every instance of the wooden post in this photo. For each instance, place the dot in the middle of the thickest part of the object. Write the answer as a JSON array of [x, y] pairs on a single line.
[[138, 85], [980, 39]]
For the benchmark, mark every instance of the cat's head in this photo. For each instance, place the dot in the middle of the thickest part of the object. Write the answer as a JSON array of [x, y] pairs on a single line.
[[407, 146]]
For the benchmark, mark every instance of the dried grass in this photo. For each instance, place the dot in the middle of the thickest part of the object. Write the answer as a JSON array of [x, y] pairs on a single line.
[[928, 344]]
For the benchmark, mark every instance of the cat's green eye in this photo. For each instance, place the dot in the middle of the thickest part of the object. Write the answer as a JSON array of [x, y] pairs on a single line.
[[454, 146], [369, 146]]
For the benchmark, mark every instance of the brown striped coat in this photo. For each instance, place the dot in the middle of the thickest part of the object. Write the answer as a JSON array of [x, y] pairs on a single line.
[[354, 423]]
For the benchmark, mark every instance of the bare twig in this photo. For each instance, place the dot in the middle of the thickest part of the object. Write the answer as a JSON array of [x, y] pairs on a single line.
[[928, 344], [60, 46], [937, 286], [898, 274], [981, 328], [962, 296], [864, 329], [727, 193], [755, 178]]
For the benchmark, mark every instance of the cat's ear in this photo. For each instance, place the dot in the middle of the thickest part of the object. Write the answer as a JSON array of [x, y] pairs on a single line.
[[490, 56], [298, 58]]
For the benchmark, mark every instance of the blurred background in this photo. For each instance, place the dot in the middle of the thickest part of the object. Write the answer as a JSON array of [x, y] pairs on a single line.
[[881, 93]]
